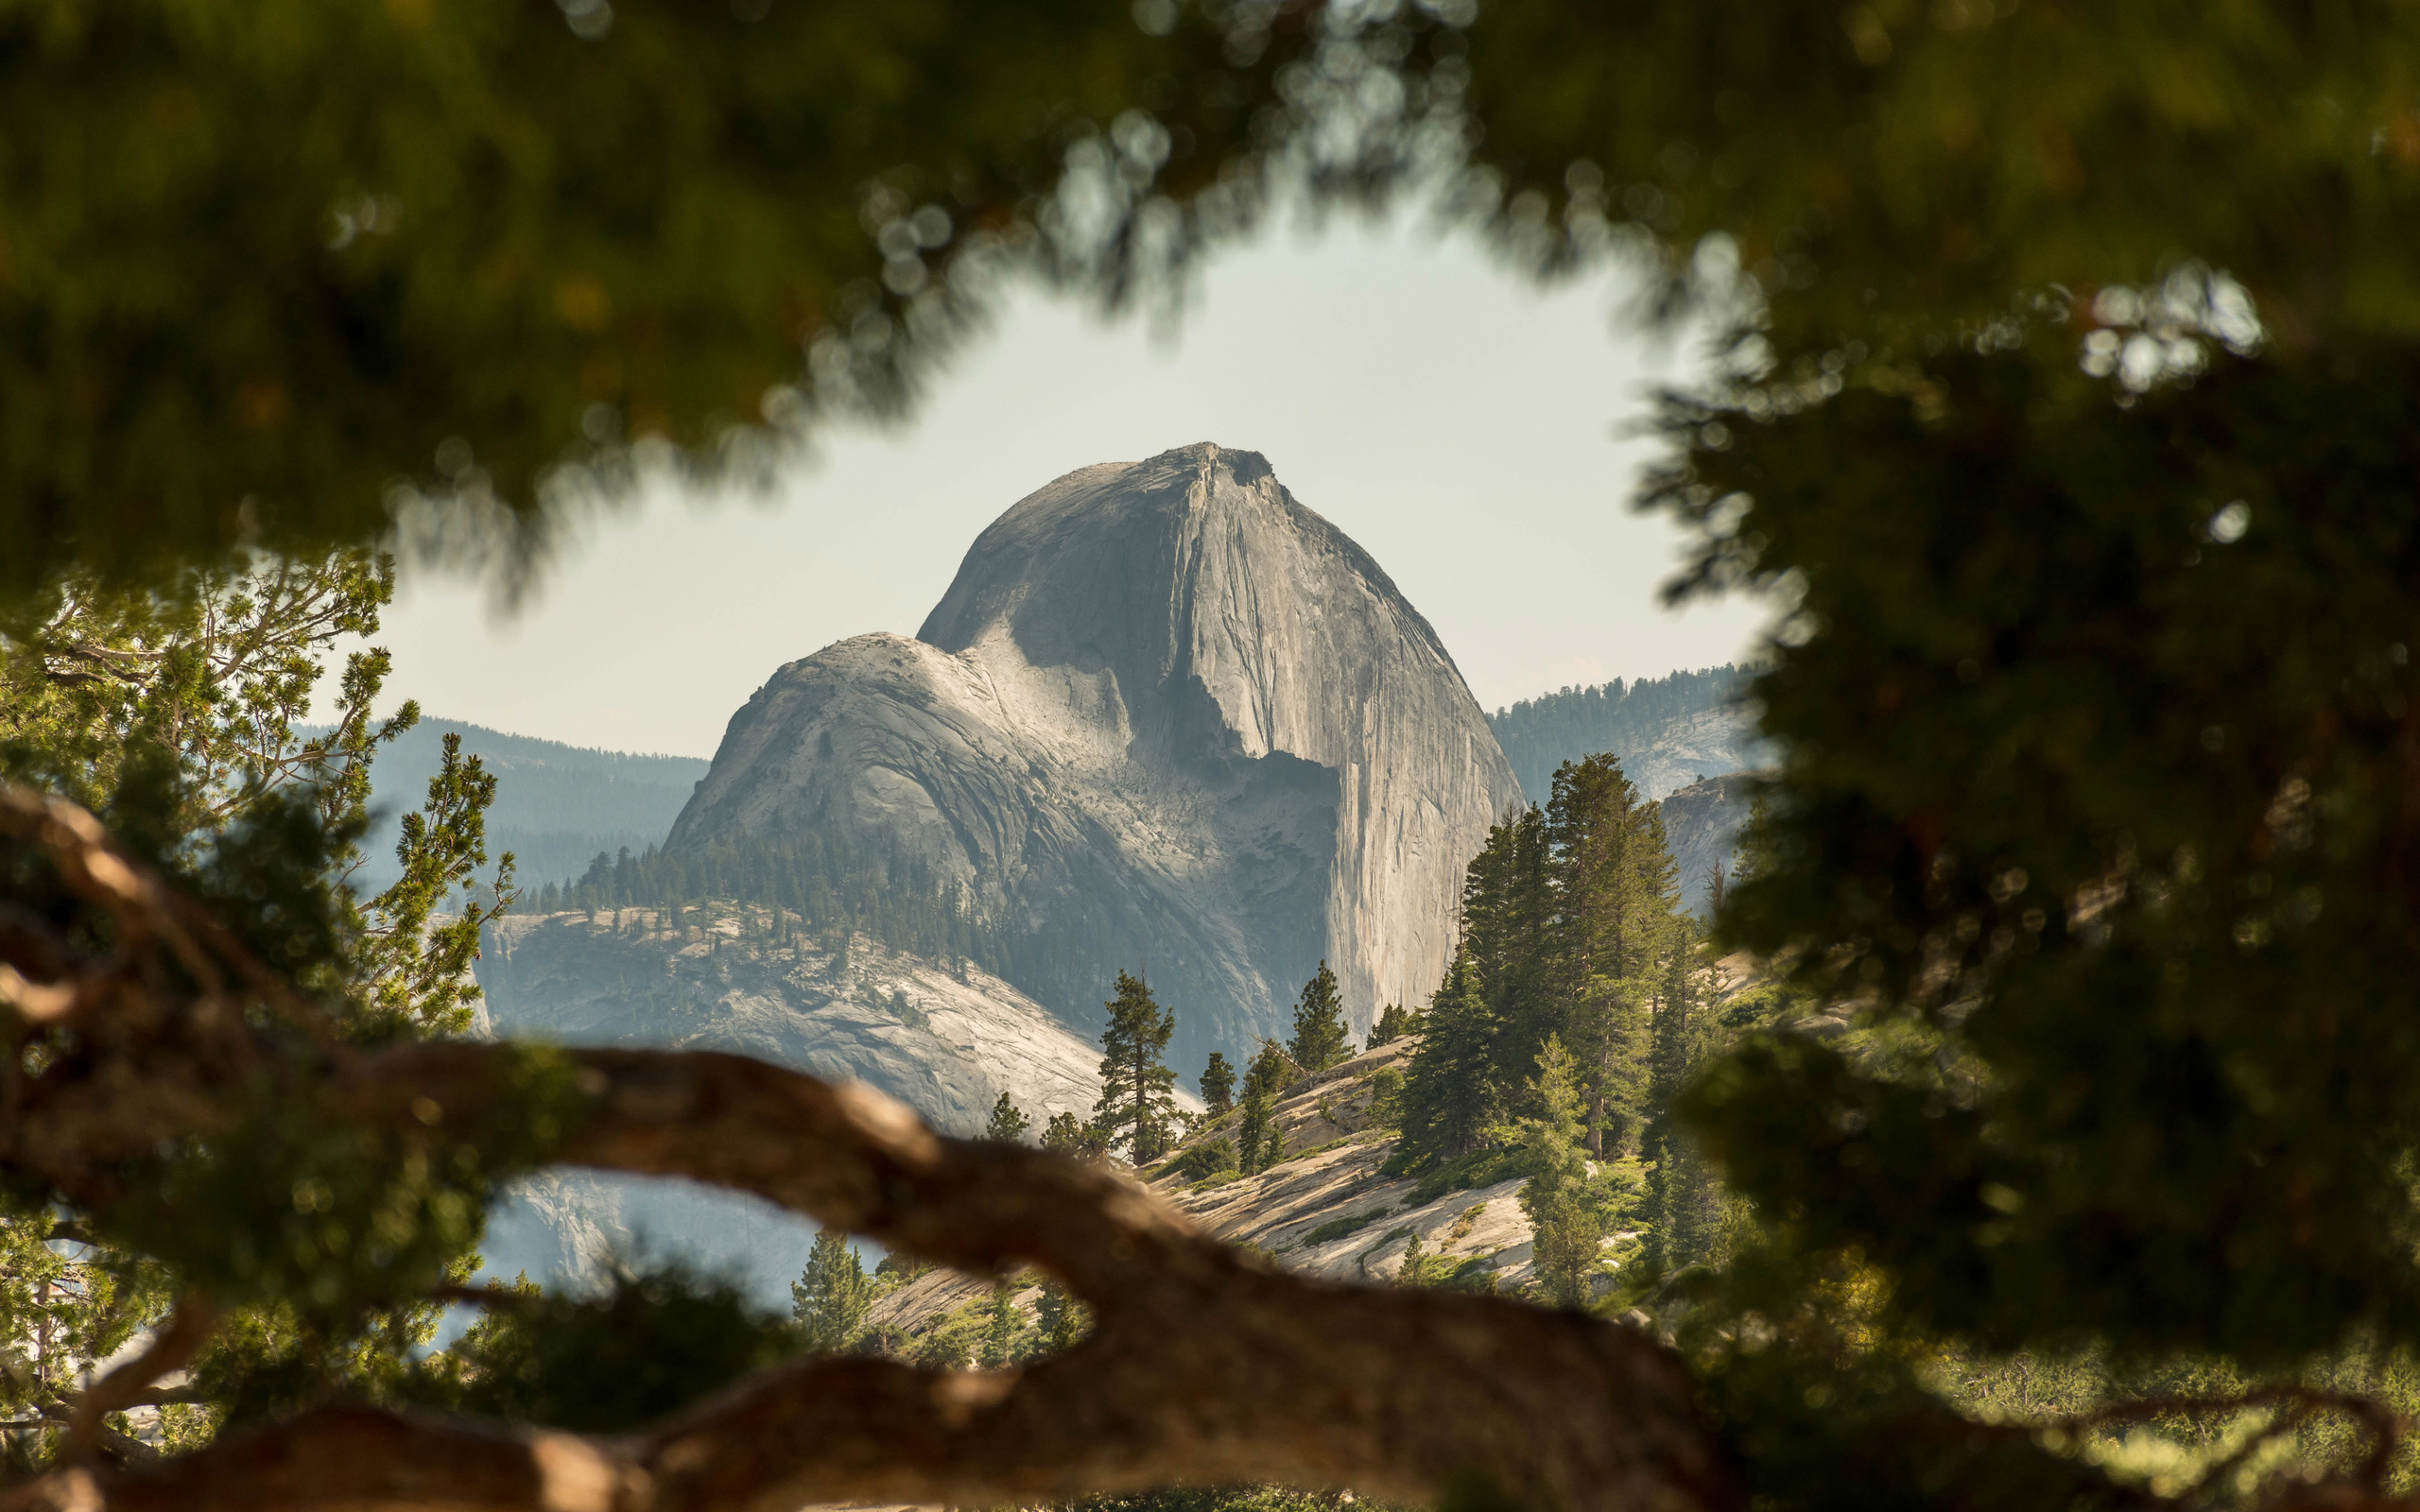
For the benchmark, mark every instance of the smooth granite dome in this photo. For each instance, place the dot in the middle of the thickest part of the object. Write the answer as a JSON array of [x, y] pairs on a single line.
[[1165, 719]]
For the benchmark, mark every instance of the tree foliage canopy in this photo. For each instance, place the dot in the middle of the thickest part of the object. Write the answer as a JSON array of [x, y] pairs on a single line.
[[2066, 416], [272, 270]]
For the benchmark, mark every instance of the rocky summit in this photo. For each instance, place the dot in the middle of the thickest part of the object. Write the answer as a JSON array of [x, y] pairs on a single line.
[[1167, 719]]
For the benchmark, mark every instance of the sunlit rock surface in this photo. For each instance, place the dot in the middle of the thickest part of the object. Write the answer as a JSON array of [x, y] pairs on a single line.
[[946, 1041], [1165, 719], [1702, 825]]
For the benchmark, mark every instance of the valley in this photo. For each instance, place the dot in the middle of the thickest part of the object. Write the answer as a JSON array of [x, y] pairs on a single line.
[[1167, 719]]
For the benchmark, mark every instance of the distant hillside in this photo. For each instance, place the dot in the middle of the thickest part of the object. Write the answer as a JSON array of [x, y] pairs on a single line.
[[556, 805], [1669, 732]]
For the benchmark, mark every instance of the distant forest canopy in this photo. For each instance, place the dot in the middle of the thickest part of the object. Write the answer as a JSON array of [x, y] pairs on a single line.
[[819, 884], [556, 806], [1540, 735]]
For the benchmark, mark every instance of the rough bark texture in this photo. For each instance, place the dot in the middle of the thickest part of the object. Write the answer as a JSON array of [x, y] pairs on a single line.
[[1202, 1366], [1165, 717]]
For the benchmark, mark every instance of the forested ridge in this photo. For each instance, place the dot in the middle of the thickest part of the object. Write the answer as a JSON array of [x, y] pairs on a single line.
[[820, 883], [557, 804], [1540, 735]]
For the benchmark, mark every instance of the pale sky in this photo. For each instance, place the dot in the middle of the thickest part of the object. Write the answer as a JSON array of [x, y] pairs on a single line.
[[1465, 427]]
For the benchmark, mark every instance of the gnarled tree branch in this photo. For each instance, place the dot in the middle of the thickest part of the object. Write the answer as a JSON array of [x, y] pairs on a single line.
[[1203, 1367]]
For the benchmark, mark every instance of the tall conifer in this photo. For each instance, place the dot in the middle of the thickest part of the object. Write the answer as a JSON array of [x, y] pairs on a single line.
[[1392, 1024], [1448, 1095], [1321, 1035], [1137, 1090], [1259, 1142], [1615, 906], [1219, 1085], [1684, 1200], [1008, 1122], [830, 1297], [1569, 1228]]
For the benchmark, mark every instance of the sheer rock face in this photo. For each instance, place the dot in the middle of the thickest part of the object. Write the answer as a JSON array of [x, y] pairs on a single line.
[[1701, 824], [1165, 719]]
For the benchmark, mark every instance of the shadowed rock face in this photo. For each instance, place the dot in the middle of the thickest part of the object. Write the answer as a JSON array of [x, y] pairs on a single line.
[[1165, 718]]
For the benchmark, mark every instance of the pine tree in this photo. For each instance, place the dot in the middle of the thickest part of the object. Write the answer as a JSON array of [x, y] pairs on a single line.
[[1063, 1135], [1008, 1122], [830, 1297], [1321, 1036], [1449, 1095], [1061, 1319], [999, 1329], [1219, 1085], [1509, 929], [1569, 1229], [1393, 1023], [1683, 1197], [1138, 1092], [1614, 901], [1259, 1142]]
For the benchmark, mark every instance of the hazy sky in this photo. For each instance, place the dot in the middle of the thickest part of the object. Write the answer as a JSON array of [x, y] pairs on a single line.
[[1464, 428]]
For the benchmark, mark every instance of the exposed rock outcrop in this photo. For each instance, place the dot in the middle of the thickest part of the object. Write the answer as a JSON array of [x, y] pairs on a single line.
[[1326, 1210], [1167, 719], [945, 1042], [1702, 825]]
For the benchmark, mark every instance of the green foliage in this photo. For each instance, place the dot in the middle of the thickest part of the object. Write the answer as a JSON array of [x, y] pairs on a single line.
[[1068, 1135], [1449, 1092], [1569, 1228], [1571, 931], [1479, 1168], [1321, 1035], [2145, 907], [1214, 1157], [967, 1335], [2069, 421], [66, 1302], [1685, 1206], [1350, 1224], [305, 1206], [1002, 1323], [1259, 1141], [829, 1299], [657, 1340], [1138, 1092], [1219, 1085], [1393, 1022], [1616, 936], [175, 714], [1008, 1122], [1061, 1321], [507, 246], [1385, 1097], [1539, 735]]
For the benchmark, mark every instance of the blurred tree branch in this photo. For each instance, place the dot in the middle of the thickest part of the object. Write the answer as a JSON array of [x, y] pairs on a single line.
[[1202, 1366]]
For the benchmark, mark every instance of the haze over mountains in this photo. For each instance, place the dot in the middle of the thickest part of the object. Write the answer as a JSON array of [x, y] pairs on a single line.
[[556, 805], [1165, 719], [1669, 732]]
